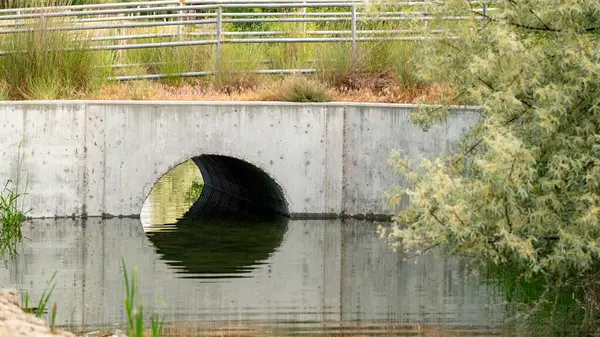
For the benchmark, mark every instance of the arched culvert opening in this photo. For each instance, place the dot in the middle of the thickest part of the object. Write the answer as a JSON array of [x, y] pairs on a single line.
[[235, 189], [213, 187]]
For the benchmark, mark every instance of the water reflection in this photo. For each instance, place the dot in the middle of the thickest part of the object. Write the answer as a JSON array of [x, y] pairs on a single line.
[[172, 195], [217, 249], [325, 277]]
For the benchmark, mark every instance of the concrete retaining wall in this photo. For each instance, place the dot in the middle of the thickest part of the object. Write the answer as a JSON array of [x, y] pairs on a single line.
[[103, 157]]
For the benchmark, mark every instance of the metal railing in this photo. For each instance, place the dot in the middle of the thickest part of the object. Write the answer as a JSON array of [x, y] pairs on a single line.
[[175, 23]]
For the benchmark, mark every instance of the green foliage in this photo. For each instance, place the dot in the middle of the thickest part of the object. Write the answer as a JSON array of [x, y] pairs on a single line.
[[335, 64], [373, 65], [135, 313], [524, 191], [53, 317], [195, 191], [44, 300], [251, 26], [50, 65], [172, 60], [11, 218], [129, 301], [11, 212], [236, 70], [555, 315], [157, 325]]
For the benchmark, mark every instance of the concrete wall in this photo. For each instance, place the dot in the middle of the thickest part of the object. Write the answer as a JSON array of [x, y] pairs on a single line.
[[104, 157]]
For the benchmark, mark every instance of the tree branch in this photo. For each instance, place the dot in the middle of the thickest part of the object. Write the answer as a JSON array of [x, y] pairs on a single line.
[[423, 251], [512, 169], [471, 149]]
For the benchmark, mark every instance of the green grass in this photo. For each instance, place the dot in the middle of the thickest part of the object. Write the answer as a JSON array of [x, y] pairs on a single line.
[[40, 68], [237, 66], [50, 65], [170, 61], [11, 212], [157, 325], [335, 65], [43, 301], [135, 313], [11, 218]]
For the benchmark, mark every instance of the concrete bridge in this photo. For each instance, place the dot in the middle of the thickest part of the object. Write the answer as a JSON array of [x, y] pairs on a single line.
[[102, 158]]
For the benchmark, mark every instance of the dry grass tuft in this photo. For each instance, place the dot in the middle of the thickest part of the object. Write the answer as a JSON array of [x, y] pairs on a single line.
[[269, 90], [4, 92], [298, 89], [438, 94]]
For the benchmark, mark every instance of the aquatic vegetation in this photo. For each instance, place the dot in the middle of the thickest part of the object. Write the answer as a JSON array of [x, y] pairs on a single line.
[[130, 289], [11, 213], [11, 218], [157, 325], [135, 313], [53, 317], [43, 301]]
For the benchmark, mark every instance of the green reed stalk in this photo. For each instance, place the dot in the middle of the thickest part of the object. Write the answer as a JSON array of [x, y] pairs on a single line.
[[43, 303], [11, 214], [135, 314]]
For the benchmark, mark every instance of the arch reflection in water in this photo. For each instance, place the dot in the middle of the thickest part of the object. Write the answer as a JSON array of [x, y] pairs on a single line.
[[217, 248]]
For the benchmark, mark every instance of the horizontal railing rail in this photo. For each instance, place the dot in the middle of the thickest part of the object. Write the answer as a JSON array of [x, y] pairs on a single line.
[[173, 23]]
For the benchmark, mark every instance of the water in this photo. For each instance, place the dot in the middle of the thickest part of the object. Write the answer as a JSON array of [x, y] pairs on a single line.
[[288, 277]]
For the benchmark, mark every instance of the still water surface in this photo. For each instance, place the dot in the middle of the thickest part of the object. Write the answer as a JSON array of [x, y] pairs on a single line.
[[288, 277]]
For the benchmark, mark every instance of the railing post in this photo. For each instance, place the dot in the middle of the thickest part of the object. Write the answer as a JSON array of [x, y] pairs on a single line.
[[353, 31], [218, 38], [304, 27], [303, 22], [180, 26], [42, 23], [484, 12]]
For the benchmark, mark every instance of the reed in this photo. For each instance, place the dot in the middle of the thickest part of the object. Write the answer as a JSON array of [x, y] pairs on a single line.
[[42, 305], [135, 313], [11, 212]]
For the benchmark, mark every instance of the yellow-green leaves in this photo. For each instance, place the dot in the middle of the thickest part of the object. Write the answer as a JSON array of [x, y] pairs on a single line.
[[525, 188]]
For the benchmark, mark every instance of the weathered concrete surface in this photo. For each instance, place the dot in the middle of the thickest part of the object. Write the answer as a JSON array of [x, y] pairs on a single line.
[[14, 322], [103, 157]]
